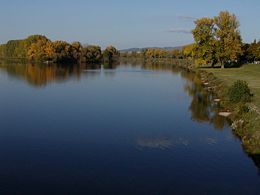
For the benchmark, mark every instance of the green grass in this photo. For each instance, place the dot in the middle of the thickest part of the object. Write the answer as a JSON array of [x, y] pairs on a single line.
[[249, 132], [248, 72]]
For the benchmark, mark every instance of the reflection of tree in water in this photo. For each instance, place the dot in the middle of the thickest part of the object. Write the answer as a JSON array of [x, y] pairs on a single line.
[[165, 65], [132, 61], [91, 70], [154, 64], [42, 74], [91, 66], [111, 65], [202, 107]]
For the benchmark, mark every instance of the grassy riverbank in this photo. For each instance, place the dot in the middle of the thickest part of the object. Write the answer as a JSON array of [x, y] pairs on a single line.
[[246, 123], [248, 72]]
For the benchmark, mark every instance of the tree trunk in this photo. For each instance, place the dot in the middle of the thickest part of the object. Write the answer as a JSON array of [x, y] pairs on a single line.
[[222, 65]]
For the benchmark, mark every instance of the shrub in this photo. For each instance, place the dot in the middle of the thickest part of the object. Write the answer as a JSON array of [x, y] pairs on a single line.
[[239, 92]]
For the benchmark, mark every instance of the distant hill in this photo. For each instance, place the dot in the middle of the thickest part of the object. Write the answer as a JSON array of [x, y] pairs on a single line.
[[141, 49]]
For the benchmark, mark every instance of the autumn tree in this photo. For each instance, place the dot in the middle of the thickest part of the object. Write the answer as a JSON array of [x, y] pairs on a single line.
[[229, 43], [218, 39], [205, 42], [175, 53], [63, 52], [110, 53], [252, 51], [19, 48], [76, 50], [188, 51], [57, 52], [37, 51], [91, 54], [34, 39]]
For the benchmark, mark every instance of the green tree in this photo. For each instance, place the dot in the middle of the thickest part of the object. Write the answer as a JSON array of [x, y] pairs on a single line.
[[239, 92]]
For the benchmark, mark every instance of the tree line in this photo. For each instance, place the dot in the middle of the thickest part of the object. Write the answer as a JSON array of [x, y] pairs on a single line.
[[40, 49], [154, 53]]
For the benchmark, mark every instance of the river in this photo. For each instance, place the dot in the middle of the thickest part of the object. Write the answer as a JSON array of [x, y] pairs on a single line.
[[127, 128]]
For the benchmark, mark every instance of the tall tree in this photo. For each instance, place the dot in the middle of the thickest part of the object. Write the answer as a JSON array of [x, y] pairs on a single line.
[[205, 41], [229, 43]]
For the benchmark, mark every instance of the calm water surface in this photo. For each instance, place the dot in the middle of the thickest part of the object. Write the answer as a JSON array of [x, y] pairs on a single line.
[[123, 129]]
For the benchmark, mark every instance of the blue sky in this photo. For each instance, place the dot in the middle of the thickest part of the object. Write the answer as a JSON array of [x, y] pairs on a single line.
[[122, 23]]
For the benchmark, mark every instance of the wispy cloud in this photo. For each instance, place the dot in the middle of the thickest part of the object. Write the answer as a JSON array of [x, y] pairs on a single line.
[[186, 18], [179, 30], [174, 16]]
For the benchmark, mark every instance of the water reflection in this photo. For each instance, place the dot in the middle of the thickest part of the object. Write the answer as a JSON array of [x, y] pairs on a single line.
[[161, 143], [111, 65], [211, 141], [91, 67], [120, 126], [41, 74], [202, 107], [155, 143]]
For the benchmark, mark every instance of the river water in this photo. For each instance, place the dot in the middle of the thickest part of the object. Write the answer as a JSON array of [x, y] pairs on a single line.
[[116, 129]]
